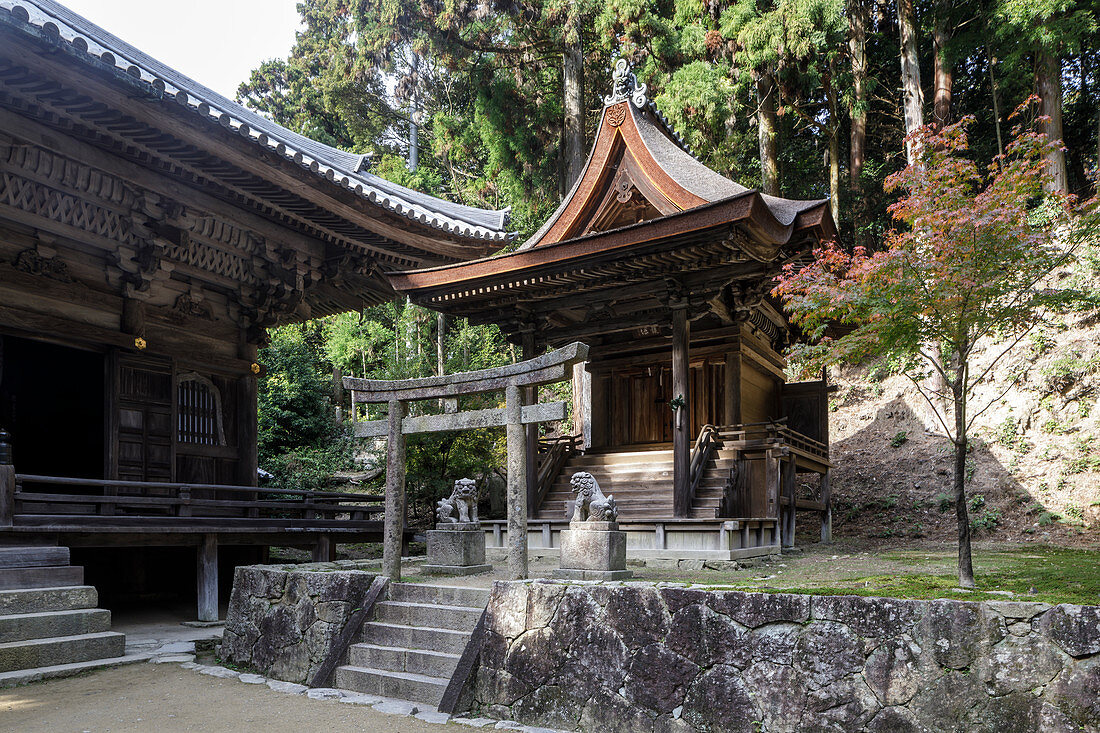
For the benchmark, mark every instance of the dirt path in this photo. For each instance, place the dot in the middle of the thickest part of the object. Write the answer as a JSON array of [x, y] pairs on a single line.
[[165, 698]]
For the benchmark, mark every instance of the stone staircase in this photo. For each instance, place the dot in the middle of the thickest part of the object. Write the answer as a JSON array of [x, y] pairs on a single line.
[[641, 482], [411, 648], [49, 623]]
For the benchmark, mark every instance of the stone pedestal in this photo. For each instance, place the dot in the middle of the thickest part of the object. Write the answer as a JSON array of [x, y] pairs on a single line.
[[593, 551], [456, 548]]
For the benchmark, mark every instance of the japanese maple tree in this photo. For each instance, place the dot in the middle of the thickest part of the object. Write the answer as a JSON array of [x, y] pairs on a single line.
[[970, 260]]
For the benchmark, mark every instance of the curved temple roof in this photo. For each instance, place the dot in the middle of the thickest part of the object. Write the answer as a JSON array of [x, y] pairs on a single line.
[[341, 168], [636, 151]]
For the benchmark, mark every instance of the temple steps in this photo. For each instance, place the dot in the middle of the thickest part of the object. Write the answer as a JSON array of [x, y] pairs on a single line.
[[411, 647], [49, 623]]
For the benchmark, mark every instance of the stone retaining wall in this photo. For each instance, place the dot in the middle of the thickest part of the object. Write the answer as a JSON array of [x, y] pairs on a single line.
[[644, 657], [283, 619]]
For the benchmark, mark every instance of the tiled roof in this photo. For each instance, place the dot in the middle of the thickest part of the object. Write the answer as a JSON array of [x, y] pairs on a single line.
[[337, 166]]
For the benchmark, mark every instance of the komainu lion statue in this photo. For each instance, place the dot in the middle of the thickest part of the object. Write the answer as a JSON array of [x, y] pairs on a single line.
[[461, 505], [591, 504]]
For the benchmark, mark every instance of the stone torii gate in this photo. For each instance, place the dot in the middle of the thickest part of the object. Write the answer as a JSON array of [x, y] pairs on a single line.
[[556, 366]]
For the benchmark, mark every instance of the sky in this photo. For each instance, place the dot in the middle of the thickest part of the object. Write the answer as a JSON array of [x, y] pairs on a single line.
[[215, 42]]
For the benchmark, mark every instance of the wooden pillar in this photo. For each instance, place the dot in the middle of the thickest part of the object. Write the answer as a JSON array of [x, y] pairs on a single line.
[[732, 389], [827, 514], [789, 475], [681, 435], [132, 320], [207, 575], [7, 481], [517, 489], [532, 438], [247, 416], [771, 484], [395, 493], [324, 550], [582, 404]]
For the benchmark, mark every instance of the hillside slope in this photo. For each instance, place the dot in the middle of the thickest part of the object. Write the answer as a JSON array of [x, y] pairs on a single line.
[[1034, 465]]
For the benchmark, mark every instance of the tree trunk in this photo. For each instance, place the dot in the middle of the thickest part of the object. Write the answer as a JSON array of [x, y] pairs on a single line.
[[962, 516], [573, 132], [857, 47], [912, 95], [1048, 84], [996, 102], [834, 173], [943, 74], [767, 123], [440, 343]]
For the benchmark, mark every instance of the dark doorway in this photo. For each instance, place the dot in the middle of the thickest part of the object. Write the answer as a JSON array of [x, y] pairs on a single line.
[[51, 401]]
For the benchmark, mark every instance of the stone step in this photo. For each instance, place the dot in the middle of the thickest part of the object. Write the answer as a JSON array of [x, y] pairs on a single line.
[[398, 659], [35, 600], [35, 556], [60, 650], [26, 676], [24, 626], [448, 595], [415, 637], [40, 577], [438, 616], [402, 685]]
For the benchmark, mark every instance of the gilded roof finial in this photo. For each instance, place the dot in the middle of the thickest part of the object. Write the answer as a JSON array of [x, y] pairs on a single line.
[[625, 86]]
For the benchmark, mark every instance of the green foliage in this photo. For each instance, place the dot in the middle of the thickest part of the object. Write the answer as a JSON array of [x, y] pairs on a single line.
[[1066, 371], [295, 392], [944, 502], [899, 439], [986, 521]]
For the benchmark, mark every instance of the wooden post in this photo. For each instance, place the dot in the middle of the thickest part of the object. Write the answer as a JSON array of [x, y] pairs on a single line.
[[582, 404], [532, 444], [771, 484], [681, 436], [732, 389], [517, 489], [324, 550], [207, 575], [827, 514], [7, 481], [789, 476], [395, 493]]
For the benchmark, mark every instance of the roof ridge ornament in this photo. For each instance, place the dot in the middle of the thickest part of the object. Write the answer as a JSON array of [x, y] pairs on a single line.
[[625, 86]]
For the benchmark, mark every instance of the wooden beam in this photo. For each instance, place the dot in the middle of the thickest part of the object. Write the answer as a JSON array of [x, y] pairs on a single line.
[[681, 437], [555, 366], [207, 577], [470, 420]]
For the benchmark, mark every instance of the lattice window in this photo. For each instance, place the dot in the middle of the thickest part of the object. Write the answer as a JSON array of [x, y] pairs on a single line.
[[199, 408]]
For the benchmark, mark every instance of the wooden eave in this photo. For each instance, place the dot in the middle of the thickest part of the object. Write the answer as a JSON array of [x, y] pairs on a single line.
[[83, 96]]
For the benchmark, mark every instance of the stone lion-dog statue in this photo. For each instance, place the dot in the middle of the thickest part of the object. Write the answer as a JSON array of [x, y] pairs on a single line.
[[461, 505], [592, 505]]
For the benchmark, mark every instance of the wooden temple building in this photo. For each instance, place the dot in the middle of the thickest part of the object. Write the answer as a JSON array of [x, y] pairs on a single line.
[[150, 231], [664, 268]]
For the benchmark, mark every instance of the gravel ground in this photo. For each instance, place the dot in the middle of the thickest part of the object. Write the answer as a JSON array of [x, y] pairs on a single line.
[[165, 698]]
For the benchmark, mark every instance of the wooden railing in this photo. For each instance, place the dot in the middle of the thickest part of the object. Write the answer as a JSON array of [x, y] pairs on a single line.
[[45, 500], [705, 445], [552, 455], [774, 432]]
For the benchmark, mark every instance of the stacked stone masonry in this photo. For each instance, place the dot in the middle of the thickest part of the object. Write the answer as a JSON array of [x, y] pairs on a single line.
[[284, 619], [644, 657]]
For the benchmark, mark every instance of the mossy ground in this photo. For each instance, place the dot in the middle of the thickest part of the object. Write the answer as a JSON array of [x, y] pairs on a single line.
[[1034, 573]]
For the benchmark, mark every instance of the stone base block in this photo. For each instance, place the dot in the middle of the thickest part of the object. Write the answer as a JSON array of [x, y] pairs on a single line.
[[455, 569], [568, 574], [593, 550], [457, 526], [456, 548]]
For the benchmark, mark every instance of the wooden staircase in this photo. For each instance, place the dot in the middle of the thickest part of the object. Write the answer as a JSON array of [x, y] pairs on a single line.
[[641, 482]]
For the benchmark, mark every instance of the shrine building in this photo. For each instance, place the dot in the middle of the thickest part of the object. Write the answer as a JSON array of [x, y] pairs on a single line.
[[683, 411]]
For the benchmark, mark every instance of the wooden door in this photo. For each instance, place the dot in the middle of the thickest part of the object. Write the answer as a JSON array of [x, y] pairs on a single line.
[[143, 421]]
